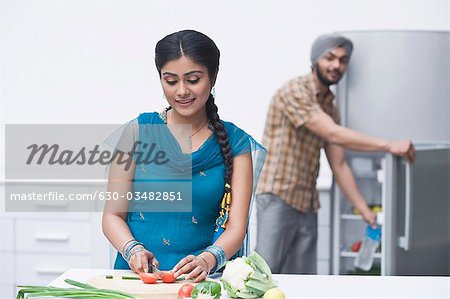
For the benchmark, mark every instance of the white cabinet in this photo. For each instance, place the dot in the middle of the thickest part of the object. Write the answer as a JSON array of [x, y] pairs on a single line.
[[7, 268], [7, 291], [6, 234], [37, 247], [54, 236], [38, 269], [7, 272]]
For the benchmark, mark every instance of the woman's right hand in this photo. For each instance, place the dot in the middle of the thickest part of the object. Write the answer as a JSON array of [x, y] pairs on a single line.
[[141, 261]]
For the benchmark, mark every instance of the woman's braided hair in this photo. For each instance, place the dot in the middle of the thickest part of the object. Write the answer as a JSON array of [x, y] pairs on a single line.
[[202, 50], [222, 137]]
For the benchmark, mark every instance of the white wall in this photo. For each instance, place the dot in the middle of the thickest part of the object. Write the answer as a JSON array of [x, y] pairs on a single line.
[[92, 61]]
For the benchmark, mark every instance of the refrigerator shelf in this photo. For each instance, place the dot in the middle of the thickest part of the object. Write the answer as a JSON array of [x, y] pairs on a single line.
[[355, 254], [351, 217]]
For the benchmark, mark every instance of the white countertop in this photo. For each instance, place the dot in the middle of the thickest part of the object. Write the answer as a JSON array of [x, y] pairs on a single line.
[[327, 286]]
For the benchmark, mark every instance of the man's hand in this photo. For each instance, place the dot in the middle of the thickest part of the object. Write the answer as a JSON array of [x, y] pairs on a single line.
[[403, 148], [370, 217]]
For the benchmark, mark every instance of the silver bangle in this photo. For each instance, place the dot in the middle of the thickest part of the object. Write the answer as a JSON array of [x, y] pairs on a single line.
[[134, 250], [125, 244]]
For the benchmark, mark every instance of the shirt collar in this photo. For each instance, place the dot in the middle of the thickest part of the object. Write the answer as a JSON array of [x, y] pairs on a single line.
[[321, 98]]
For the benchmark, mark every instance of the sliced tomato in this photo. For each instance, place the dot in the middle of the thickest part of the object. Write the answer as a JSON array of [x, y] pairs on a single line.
[[148, 277], [168, 277], [185, 291]]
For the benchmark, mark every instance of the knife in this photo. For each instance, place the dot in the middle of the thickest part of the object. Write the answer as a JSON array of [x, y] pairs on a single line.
[[156, 271]]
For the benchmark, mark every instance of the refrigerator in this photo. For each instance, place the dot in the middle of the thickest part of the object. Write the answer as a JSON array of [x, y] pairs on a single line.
[[397, 87]]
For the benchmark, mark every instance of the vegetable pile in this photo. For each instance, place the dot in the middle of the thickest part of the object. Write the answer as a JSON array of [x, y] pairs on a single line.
[[83, 291], [203, 290], [206, 290], [247, 277]]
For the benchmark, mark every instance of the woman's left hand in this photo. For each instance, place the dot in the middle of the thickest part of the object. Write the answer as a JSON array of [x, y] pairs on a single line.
[[195, 267]]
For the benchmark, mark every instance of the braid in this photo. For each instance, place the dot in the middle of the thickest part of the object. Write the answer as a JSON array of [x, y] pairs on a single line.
[[221, 134]]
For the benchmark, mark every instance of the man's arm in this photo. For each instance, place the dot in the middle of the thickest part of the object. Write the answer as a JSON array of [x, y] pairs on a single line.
[[324, 126], [346, 181]]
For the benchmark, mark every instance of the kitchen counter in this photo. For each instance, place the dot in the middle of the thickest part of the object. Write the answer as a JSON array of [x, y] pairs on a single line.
[[325, 286]]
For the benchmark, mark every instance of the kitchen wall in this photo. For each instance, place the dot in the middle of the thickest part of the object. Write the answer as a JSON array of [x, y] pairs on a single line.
[[92, 61]]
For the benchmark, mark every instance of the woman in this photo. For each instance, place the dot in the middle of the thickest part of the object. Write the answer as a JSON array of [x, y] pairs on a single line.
[[221, 161]]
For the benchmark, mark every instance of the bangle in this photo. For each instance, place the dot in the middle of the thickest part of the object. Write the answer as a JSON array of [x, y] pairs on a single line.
[[219, 254], [125, 244], [135, 249], [207, 265], [127, 253]]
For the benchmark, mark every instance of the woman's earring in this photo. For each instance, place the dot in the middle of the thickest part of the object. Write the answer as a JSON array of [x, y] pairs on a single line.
[[213, 92]]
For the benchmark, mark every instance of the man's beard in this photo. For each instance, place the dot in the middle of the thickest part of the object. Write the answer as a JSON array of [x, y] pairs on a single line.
[[323, 79]]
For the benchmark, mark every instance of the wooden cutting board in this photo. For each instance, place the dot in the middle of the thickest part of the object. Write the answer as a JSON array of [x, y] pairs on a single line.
[[138, 288]]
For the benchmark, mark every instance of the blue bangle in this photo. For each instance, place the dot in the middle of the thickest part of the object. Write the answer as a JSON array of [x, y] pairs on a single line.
[[134, 250], [127, 253], [219, 254]]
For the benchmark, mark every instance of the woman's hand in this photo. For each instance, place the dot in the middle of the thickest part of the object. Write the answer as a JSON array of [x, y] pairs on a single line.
[[140, 261], [196, 267]]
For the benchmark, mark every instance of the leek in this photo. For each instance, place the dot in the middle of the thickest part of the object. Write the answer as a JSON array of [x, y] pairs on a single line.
[[82, 291]]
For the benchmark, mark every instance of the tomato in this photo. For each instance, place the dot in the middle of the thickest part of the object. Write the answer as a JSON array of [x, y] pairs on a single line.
[[148, 277], [355, 246], [185, 291], [168, 277]]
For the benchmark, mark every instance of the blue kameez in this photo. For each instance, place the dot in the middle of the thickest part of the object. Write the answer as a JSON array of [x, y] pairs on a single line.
[[171, 236]]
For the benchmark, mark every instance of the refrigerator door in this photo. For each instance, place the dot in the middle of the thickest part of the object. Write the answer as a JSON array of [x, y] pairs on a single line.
[[397, 85], [416, 234]]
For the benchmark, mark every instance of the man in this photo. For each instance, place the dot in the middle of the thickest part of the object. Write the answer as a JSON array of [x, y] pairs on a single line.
[[301, 120]]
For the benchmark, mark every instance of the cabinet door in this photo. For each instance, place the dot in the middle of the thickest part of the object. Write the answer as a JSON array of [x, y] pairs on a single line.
[[7, 291], [6, 234], [53, 236], [41, 269], [7, 268]]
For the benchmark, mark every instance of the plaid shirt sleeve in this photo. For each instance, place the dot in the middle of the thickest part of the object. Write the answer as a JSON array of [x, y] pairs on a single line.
[[299, 105]]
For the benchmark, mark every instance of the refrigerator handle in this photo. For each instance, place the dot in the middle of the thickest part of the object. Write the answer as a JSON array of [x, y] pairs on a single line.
[[404, 241]]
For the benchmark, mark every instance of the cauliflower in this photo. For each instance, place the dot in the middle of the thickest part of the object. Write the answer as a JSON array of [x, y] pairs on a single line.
[[236, 273], [247, 277]]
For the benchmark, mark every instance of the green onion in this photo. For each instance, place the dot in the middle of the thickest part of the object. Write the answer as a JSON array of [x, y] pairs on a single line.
[[131, 277], [83, 291], [109, 277], [78, 284]]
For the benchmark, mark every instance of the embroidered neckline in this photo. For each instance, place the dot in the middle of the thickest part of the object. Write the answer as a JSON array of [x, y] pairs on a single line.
[[163, 114], [163, 117]]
